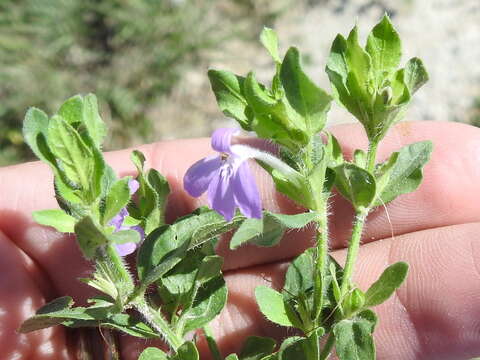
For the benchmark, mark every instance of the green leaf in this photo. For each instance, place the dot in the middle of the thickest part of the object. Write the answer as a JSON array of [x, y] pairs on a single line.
[[272, 306], [334, 151], [403, 172], [308, 100], [232, 357], [300, 274], [356, 185], [269, 230], [117, 198], [209, 301], [187, 351], [415, 75], [385, 49], [151, 197], [35, 125], [124, 236], [160, 252], [337, 70], [274, 118], [89, 236], [93, 122], [256, 348], [228, 90], [269, 40], [295, 348], [390, 280], [354, 339], [296, 221], [358, 61], [127, 323], [76, 159], [152, 353], [57, 219], [72, 110], [248, 230], [60, 310]]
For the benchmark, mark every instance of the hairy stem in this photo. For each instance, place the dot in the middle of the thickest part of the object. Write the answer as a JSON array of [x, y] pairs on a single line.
[[352, 253], [156, 320], [320, 263], [372, 156], [358, 225]]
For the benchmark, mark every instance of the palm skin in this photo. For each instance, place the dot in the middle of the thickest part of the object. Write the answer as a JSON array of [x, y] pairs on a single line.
[[434, 315]]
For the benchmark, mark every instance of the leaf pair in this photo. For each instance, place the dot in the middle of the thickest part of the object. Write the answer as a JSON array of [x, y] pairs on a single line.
[[402, 173], [100, 313]]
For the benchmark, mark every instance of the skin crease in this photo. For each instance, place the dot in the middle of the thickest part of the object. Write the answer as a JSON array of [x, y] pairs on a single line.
[[434, 315]]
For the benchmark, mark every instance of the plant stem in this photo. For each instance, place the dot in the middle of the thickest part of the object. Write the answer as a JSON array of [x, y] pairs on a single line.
[[359, 222], [327, 349], [156, 320], [321, 262], [353, 247], [315, 354], [371, 156]]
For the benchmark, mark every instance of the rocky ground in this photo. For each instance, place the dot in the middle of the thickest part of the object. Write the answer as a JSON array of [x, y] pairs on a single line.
[[445, 34]]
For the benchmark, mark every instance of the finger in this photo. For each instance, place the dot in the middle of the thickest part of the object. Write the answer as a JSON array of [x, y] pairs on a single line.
[[22, 291], [450, 183], [434, 315]]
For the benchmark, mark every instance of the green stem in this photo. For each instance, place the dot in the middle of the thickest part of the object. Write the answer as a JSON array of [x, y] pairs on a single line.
[[113, 266], [321, 262], [371, 156], [315, 354], [327, 349], [360, 218], [156, 320], [352, 253]]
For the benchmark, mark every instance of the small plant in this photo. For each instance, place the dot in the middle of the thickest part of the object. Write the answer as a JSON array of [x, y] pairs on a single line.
[[178, 285]]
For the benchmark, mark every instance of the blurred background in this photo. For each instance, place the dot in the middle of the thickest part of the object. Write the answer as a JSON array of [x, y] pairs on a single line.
[[147, 60]]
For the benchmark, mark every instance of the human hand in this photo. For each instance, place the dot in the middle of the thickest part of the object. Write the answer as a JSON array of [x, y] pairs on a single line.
[[433, 316]]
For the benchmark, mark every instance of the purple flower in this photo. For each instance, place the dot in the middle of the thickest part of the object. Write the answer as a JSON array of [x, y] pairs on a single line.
[[226, 177], [117, 223]]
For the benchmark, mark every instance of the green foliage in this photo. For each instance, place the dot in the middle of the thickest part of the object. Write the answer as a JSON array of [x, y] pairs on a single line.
[[390, 280], [402, 172], [290, 113], [152, 195], [367, 82], [269, 230], [356, 185], [101, 313], [178, 261], [353, 337], [256, 348], [57, 219], [152, 353], [272, 306]]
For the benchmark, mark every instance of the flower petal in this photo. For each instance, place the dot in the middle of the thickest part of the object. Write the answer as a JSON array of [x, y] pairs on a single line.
[[220, 196], [133, 186], [126, 249], [222, 139], [246, 193], [118, 219], [200, 174], [140, 230]]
